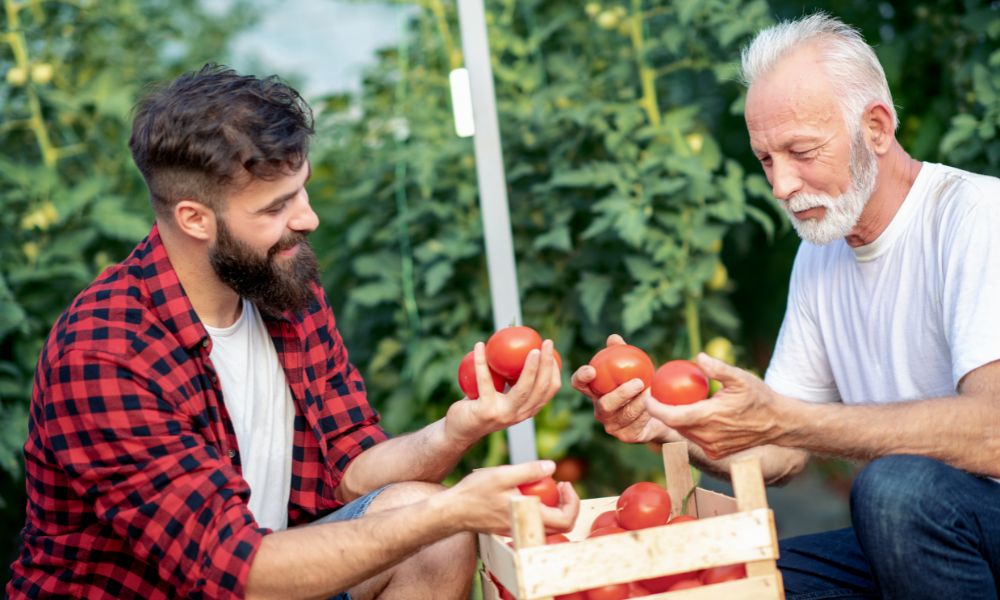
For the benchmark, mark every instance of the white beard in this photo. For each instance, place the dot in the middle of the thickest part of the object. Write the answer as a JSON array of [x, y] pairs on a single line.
[[842, 212]]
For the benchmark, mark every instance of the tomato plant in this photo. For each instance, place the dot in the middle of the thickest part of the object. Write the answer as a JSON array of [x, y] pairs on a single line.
[[642, 505], [467, 377], [679, 382], [507, 349], [544, 488], [616, 365]]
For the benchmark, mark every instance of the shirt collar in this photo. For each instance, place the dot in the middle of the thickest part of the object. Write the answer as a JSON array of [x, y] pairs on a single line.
[[167, 298]]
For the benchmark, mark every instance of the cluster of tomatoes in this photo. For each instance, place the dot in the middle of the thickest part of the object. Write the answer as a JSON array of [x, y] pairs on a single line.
[[506, 351], [640, 506], [674, 382]]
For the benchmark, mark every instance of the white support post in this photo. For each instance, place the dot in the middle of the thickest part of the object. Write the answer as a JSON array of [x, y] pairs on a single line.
[[493, 196]]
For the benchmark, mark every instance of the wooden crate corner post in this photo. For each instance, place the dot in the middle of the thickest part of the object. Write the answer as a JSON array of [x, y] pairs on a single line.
[[748, 487]]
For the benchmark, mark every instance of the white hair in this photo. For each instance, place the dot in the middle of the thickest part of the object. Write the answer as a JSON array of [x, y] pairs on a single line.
[[849, 61]]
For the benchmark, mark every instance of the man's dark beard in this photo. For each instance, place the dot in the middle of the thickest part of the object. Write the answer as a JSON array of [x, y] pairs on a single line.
[[273, 288]]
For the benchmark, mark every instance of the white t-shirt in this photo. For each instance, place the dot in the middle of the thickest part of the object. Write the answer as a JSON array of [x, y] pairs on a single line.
[[259, 402], [906, 316]]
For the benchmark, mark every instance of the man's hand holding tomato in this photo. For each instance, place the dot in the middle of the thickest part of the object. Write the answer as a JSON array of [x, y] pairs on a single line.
[[622, 411], [630, 414], [481, 499], [469, 420], [744, 414]]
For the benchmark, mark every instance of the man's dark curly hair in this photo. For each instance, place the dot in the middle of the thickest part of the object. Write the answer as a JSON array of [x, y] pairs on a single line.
[[205, 131]]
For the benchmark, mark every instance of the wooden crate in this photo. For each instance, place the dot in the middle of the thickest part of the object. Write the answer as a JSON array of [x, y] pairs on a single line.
[[728, 531]]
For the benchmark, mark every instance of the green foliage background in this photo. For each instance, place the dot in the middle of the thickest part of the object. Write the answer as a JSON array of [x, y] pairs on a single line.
[[630, 184]]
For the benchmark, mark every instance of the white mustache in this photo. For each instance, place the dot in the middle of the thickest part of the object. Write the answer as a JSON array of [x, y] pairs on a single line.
[[800, 202]]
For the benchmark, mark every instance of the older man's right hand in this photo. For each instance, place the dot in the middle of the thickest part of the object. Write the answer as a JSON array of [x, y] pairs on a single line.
[[622, 410]]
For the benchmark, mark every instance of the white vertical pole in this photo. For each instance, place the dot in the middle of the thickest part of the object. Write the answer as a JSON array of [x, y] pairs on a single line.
[[493, 196]]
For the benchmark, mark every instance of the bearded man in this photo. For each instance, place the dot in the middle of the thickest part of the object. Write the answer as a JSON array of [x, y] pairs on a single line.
[[196, 429], [889, 351]]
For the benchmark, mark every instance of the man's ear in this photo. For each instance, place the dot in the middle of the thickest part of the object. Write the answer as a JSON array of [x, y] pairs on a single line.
[[876, 123], [195, 219]]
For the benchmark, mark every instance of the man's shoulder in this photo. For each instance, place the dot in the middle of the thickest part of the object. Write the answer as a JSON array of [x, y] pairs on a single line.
[[113, 315], [956, 188]]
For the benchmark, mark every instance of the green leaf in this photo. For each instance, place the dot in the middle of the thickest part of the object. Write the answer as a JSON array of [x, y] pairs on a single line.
[[557, 238], [375, 293], [639, 305], [113, 221], [593, 292], [437, 276], [642, 269]]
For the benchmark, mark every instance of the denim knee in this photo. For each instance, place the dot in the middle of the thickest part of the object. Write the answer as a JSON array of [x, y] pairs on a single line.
[[896, 497]]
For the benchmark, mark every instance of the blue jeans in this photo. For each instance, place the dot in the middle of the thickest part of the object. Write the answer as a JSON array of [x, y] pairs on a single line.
[[921, 529], [352, 510]]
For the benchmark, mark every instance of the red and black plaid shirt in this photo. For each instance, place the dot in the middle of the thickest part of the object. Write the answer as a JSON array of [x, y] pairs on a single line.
[[133, 472]]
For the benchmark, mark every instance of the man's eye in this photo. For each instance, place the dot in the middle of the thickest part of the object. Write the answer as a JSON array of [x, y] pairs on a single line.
[[804, 153], [764, 160]]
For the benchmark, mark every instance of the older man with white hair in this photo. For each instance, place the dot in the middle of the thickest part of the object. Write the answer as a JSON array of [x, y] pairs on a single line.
[[890, 347]]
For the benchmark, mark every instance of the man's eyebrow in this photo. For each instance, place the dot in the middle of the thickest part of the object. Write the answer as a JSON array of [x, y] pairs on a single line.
[[286, 197]]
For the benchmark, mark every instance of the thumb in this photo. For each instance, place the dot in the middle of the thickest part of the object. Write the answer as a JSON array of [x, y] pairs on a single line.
[[514, 475], [718, 370]]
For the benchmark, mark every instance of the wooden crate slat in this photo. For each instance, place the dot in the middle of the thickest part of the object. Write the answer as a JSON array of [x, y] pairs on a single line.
[[724, 540]]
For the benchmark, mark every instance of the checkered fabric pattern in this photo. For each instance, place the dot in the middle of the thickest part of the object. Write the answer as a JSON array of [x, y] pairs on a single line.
[[133, 470]]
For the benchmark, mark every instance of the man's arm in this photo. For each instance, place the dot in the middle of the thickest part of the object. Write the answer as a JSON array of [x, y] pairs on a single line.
[[316, 561], [432, 452], [961, 430]]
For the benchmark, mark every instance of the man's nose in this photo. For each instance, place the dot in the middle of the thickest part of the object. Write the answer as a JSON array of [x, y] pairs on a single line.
[[785, 180], [304, 217]]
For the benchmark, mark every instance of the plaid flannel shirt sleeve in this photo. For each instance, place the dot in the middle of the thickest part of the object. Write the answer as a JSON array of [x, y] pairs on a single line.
[[356, 422], [157, 483]]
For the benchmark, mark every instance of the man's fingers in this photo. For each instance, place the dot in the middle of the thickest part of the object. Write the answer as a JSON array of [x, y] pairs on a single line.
[[615, 340], [484, 380], [581, 378], [509, 476], [717, 369], [619, 397], [674, 416], [562, 517]]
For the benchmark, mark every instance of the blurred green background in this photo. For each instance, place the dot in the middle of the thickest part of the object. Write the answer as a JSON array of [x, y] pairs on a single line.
[[635, 202]]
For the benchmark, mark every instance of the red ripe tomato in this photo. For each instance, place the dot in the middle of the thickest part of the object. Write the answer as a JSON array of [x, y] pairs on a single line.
[[724, 573], [507, 349], [658, 585], [617, 591], [544, 488], [605, 519], [617, 364], [467, 377], [610, 529], [572, 596], [556, 538], [555, 355], [642, 505], [685, 584], [679, 382], [570, 468], [682, 519]]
